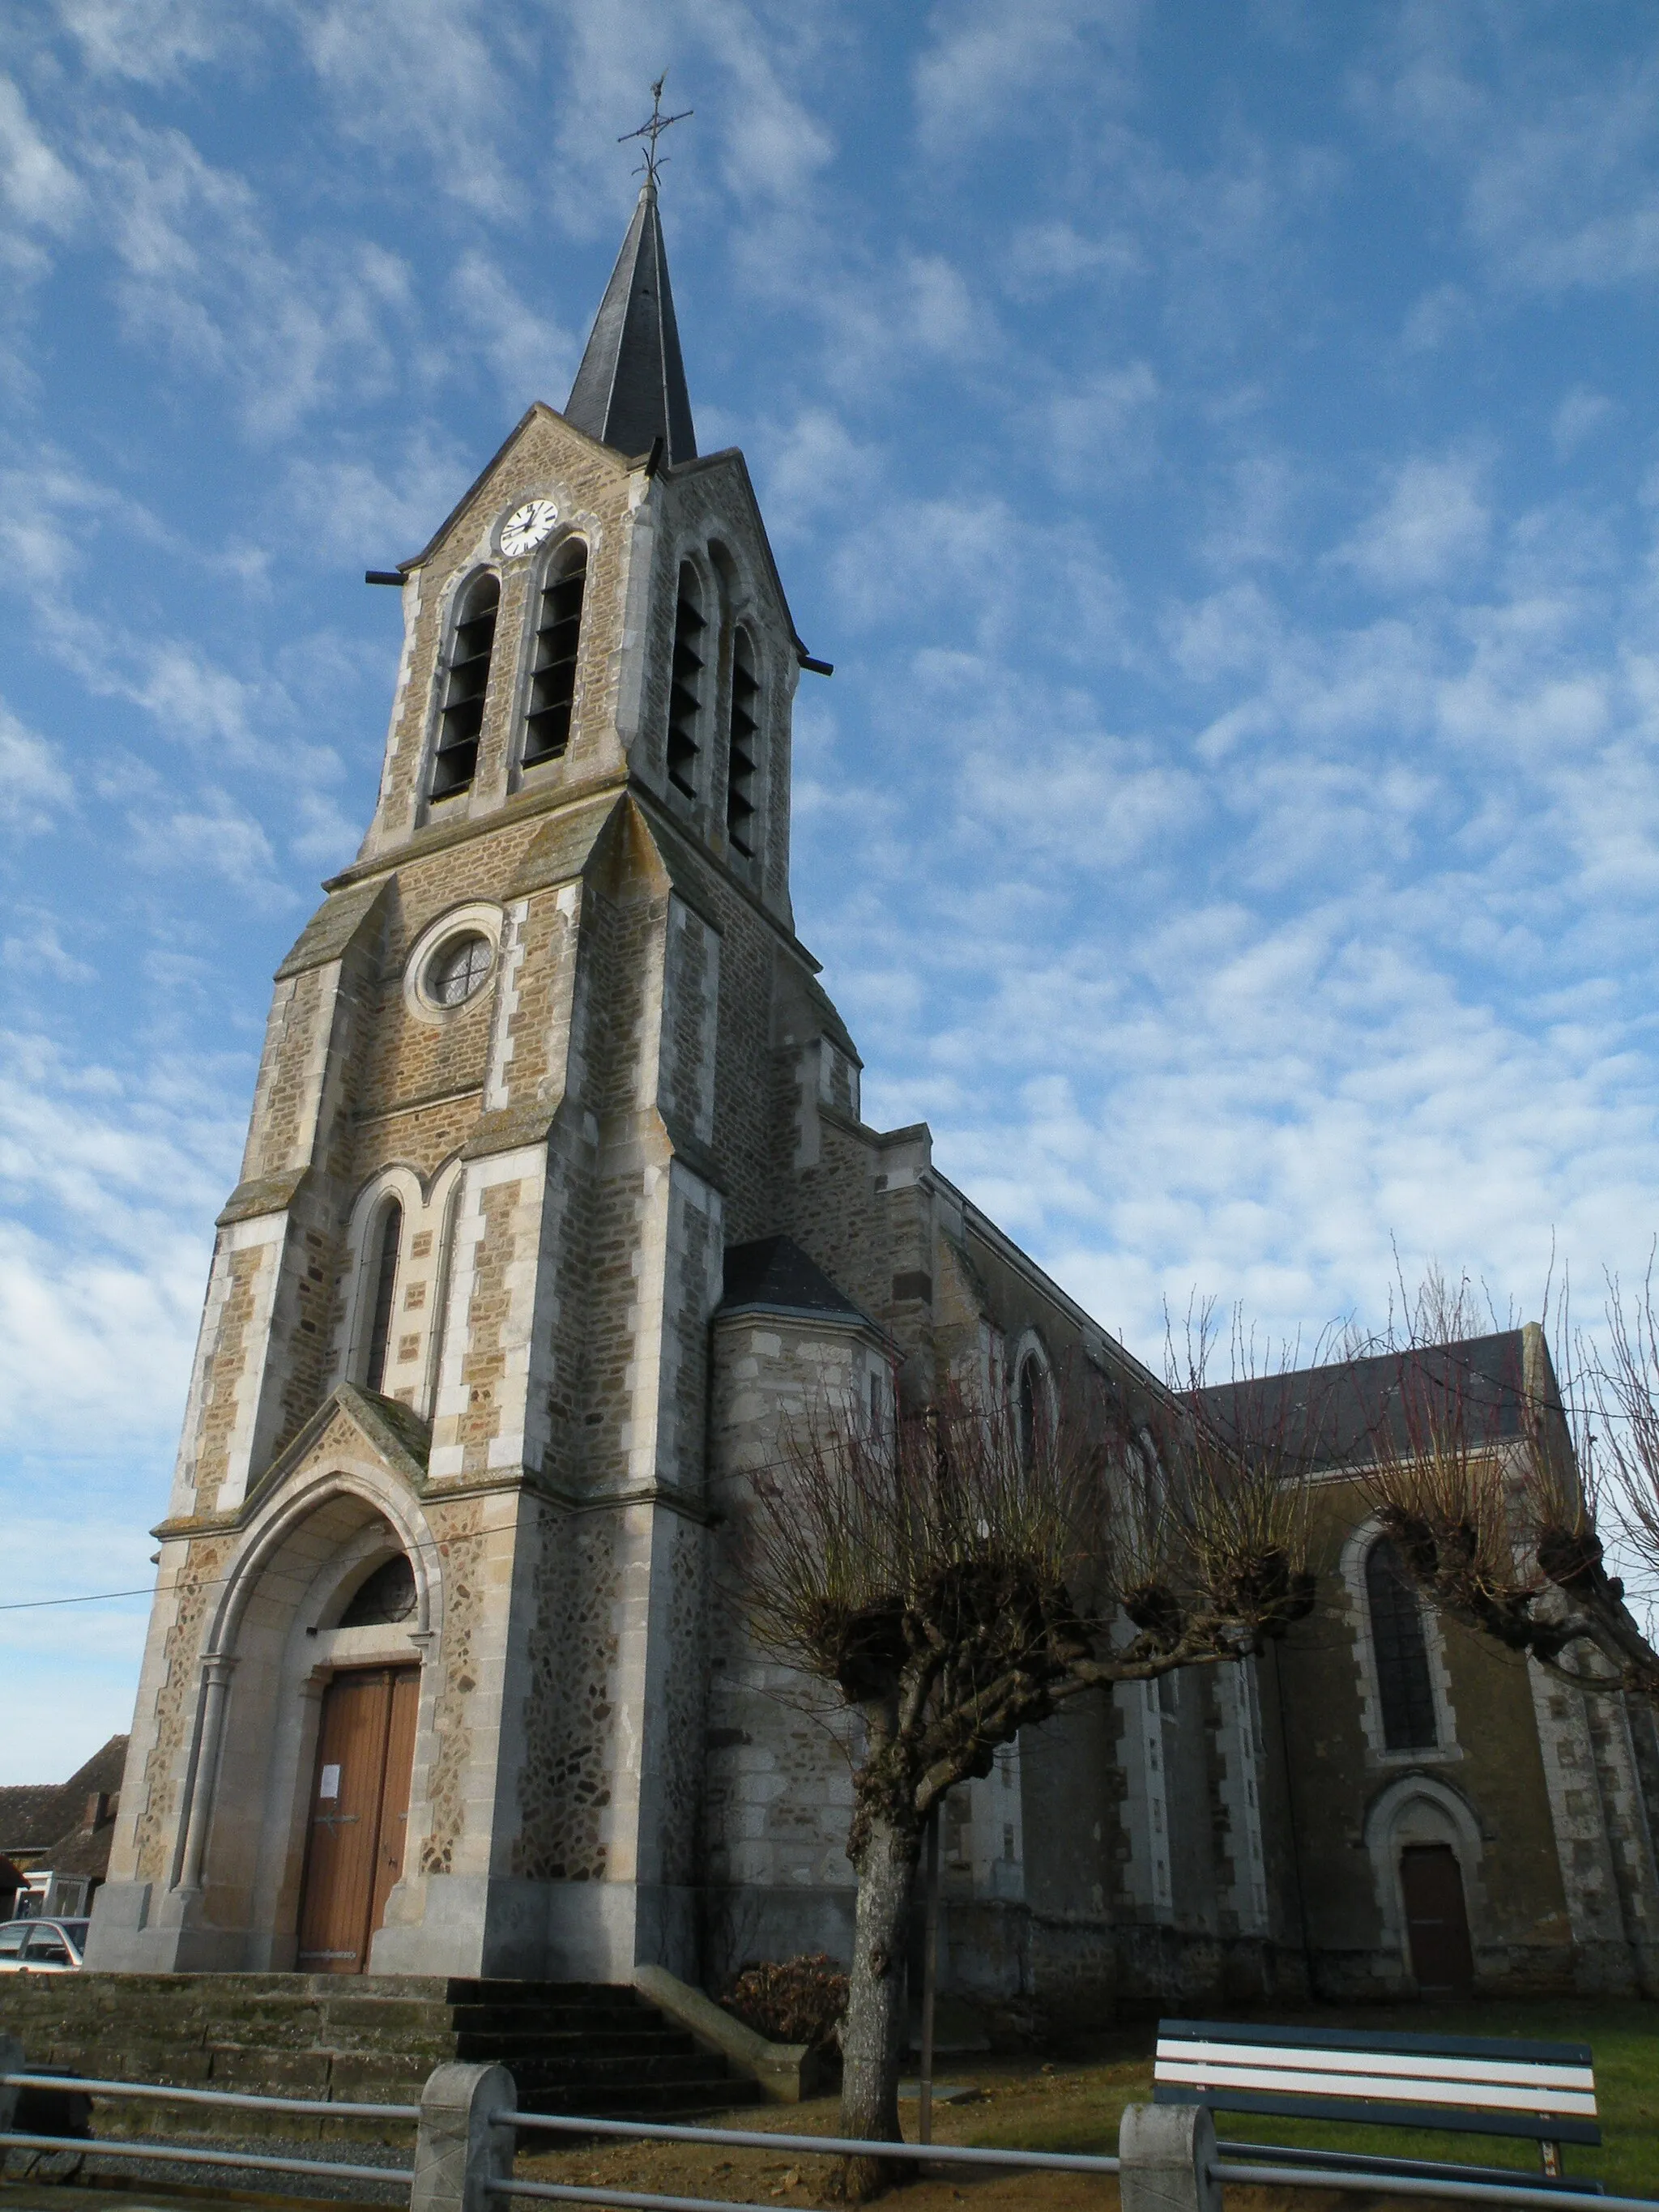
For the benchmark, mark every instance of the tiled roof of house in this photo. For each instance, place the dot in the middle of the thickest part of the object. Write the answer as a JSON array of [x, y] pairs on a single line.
[[34, 1816]]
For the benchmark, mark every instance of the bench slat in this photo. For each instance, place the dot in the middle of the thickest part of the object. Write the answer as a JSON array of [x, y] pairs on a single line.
[[1453, 2121], [1491, 2096], [1314, 2060], [1509, 2047]]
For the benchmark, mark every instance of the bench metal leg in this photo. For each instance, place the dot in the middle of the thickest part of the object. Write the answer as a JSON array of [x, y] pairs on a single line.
[[1549, 2157]]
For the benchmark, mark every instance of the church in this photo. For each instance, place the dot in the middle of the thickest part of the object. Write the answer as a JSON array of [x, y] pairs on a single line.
[[557, 1208]]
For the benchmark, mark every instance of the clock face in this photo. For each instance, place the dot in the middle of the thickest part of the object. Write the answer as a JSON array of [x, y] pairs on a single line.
[[527, 526]]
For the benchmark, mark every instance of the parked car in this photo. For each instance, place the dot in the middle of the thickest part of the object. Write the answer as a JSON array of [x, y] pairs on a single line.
[[43, 1947]]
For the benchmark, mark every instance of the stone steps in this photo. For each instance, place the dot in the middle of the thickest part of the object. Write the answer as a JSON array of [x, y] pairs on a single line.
[[576, 2047]]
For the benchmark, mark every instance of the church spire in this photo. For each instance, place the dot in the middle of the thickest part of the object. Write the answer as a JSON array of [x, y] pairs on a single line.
[[631, 388]]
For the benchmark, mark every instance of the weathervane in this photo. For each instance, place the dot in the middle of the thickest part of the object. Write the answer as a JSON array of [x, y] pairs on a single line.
[[653, 129]]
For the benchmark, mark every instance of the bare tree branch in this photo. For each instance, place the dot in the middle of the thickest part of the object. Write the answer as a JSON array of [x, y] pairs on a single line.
[[1478, 1479], [956, 1575]]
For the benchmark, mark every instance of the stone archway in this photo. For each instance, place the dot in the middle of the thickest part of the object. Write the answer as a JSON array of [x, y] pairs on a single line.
[[1426, 1852], [276, 1643]]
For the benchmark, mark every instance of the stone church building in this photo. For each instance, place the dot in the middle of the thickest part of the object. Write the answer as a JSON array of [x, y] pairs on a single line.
[[557, 1205]]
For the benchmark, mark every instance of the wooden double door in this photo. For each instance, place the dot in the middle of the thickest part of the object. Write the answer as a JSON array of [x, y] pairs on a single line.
[[358, 1815]]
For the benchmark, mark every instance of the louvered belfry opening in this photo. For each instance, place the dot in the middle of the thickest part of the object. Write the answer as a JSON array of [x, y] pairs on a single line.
[[742, 761], [463, 693], [553, 681], [685, 692], [386, 1282]]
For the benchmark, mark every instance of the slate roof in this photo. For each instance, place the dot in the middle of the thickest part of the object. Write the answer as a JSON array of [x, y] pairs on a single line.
[[1331, 1416], [51, 1816], [773, 1275], [631, 388]]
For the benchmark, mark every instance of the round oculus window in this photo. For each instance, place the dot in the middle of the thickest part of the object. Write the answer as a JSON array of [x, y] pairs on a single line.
[[458, 969]]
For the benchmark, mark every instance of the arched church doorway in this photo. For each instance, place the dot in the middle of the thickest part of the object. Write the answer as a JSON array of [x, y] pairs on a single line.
[[358, 1815], [1436, 1921]]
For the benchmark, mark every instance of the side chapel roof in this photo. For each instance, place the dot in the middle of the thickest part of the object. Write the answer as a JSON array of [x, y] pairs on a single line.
[[773, 1275], [1333, 1416]]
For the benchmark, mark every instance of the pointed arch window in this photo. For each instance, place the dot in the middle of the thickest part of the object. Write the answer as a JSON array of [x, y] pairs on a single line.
[[1404, 1688], [686, 685], [1031, 1406], [553, 675], [385, 1284], [743, 754], [387, 1596], [462, 718]]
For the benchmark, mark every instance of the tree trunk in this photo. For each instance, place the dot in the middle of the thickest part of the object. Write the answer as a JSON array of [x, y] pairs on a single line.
[[877, 2028]]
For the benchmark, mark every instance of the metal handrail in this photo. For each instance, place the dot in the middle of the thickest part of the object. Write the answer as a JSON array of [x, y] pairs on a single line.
[[634, 2200], [249, 2160], [1472, 2192], [168, 2095], [1056, 2161]]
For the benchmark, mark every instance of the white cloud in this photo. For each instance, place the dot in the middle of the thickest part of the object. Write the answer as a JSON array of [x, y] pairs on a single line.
[[349, 507], [811, 466], [1550, 142], [753, 75], [34, 947], [1254, 502], [989, 67], [1438, 317], [35, 786], [214, 837], [425, 72], [534, 356], [152, 41], [38, 189], [98, 1303], [1432, 524], [202, 279], [1104, 421], [325, 838], [1582, 413], [1048, 257]]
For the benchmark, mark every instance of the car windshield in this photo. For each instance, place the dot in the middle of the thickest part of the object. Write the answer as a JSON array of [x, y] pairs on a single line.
[[11, 1937]]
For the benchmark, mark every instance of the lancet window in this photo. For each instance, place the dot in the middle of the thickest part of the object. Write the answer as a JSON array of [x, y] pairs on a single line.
[[386, 1285], [686, 689], [1403, 1688], [468, 679], [553, 675], [1031, 1406], [742, 756]]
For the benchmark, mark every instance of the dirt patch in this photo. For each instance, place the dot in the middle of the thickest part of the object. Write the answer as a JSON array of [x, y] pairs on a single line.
[[1016, 2106]]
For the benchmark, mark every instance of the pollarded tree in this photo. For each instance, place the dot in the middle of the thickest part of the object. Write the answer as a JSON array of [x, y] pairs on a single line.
[[959, 1574], [1487, 1483]]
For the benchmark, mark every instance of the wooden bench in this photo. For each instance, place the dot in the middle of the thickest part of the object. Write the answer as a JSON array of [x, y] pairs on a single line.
[[1467, 2084]]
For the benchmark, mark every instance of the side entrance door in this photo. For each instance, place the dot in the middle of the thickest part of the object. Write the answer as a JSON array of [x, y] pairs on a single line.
[[358, 1816], [1436, 1922]]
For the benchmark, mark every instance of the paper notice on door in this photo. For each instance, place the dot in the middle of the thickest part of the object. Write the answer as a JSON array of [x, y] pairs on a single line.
[[330, 1785]]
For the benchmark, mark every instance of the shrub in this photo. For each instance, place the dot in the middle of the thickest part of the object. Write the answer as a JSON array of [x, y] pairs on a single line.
[[790, 2000]]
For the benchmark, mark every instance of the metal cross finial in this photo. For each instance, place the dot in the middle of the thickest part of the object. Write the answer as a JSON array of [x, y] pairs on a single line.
[[653, 130]]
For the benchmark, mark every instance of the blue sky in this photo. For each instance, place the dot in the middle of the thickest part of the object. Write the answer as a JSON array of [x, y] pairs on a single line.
[[1215, 443]]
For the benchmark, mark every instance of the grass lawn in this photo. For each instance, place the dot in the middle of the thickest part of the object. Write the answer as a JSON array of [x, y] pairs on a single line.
[[1075, 2104], [1088, 2099]]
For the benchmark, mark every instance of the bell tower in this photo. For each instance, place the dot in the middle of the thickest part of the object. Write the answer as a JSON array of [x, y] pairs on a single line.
[[448, 1417]]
